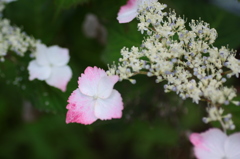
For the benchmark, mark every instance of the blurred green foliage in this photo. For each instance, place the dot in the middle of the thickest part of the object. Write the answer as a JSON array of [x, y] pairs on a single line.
[[64, 4], [154, 124]]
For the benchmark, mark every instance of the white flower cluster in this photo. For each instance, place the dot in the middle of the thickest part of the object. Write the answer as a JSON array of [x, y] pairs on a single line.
[[216, 114], [186, 59], [12, 38]]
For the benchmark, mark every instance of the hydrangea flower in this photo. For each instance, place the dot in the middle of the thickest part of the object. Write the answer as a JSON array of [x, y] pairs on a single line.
[[94, 98], [214, 144], [51, 65], [129, 11]]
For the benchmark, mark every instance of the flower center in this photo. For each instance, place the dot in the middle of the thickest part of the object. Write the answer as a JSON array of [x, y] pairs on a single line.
[[50, 65], [95, 97]]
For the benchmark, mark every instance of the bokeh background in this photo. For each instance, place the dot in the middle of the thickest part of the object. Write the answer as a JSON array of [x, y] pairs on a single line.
[[154, 124]]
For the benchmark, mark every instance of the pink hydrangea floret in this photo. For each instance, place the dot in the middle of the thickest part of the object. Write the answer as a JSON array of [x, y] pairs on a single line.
[[129, 11], [214, 144], [94, 98]]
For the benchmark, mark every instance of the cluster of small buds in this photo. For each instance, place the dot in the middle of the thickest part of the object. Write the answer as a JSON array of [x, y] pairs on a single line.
[[216, 114], [186, 59], [13, 39]]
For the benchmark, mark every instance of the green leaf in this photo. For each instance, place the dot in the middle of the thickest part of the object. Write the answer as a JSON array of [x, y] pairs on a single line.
[[36, 19], [192, 116], [147, 136], [121, 35], [38, 140], [64, 4], [42, 96]]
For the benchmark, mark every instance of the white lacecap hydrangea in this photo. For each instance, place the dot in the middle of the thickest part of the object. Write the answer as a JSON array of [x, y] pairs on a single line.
[[12, 39], [187, 59]]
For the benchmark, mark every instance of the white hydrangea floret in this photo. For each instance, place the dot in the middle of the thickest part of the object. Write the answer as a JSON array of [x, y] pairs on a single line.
[[51, 65]]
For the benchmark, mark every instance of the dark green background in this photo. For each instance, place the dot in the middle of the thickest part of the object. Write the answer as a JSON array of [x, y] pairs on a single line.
[[154, 124]]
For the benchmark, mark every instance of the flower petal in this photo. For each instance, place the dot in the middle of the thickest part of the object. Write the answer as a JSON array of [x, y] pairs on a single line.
[[41, 55], [105, 86], [80, 109], [109, 108], [59, 77], [128, 12], [200, 154], [88, 82], [232, 146], [37, 71], [58, 56], [209, 144]]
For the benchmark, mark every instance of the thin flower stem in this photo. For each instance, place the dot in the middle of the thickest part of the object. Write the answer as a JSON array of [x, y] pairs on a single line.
[[226, 72], [222, 123], [224, 129], [140, 73]]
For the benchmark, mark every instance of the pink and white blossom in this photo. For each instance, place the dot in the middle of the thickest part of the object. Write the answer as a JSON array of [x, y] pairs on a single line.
[[214, 144], [129, 11], [51, 65], [94, 98]]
